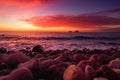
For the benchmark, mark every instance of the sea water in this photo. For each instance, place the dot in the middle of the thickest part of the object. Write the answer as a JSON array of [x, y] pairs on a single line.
[[60, 40]]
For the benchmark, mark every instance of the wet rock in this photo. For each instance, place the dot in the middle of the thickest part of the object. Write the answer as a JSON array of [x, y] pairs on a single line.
[[14, 59], [115, 63], [89, 72], [74, 73], [63, 57], [38, 48], [3, 50], [3, 65], [83, 64], [102, 58], [100, 78], [58, 70], [5, 72], [19, 74], [26, 51], [31, 64], [117, 71], [115, 55], [45, 64], [12, 52], [105, 71], [79, 57]]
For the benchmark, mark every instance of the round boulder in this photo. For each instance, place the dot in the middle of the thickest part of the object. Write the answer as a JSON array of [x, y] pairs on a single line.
[[74, 73], [38, 48]]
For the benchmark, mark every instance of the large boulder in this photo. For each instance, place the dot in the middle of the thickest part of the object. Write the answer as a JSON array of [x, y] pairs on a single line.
[[31, 64], [82, 64], [115, 55], [5, 72], [115, 63], [74, 73], [79, 57], [63, 57], [102, 58], [89, 72], [57, 70], [14, 59], [105, 71], [19, 74]]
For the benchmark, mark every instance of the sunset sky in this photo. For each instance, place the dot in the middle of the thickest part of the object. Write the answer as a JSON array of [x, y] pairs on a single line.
[[60, 15]]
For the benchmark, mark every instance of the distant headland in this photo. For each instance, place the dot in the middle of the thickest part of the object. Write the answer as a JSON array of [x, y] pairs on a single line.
[[74, 31]]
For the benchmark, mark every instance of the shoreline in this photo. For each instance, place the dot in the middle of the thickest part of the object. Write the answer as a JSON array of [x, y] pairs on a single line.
[[38, 64]]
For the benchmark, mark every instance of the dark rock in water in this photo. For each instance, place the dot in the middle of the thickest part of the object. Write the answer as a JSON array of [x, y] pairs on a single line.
[[19, 74], [89, 72], [105, 71], [3, 50], [74, 73], [25, 51], [38, 48], [115, 63], [76, 31], [58, 70]]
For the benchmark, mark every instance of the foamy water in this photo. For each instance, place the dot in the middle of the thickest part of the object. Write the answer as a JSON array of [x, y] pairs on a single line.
[[20, 40]]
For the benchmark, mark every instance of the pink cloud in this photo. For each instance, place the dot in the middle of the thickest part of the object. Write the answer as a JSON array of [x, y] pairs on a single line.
[[23, 3], [73, 21]]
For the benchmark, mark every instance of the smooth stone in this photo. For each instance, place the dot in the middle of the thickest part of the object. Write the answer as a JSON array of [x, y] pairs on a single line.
[[115, 63], [102, 58], [82, 64], [79, 57], [14, 59], [100, 78], [74, 73], [105, 71], [89, 72], [57, 70], [19, 74]]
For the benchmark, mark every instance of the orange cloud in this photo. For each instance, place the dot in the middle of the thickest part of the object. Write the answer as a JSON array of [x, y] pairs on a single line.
[[77, 21]]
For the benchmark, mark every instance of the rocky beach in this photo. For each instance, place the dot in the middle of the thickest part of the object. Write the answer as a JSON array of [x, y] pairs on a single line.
[[40, 64]]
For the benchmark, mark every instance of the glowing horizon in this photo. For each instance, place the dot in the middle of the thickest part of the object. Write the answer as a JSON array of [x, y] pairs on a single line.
[[50, 16]]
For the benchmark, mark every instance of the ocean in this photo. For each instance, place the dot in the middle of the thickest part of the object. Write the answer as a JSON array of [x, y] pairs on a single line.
[[60, 40]]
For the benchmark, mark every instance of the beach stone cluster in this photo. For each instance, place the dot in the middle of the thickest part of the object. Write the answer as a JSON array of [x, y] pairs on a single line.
[[39, 64]]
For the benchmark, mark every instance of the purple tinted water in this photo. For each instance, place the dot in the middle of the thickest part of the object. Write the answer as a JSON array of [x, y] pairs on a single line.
[[57, 40]]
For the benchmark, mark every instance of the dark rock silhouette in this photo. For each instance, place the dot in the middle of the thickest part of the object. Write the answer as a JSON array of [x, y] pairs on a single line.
[[38, 48], [3, 50]]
